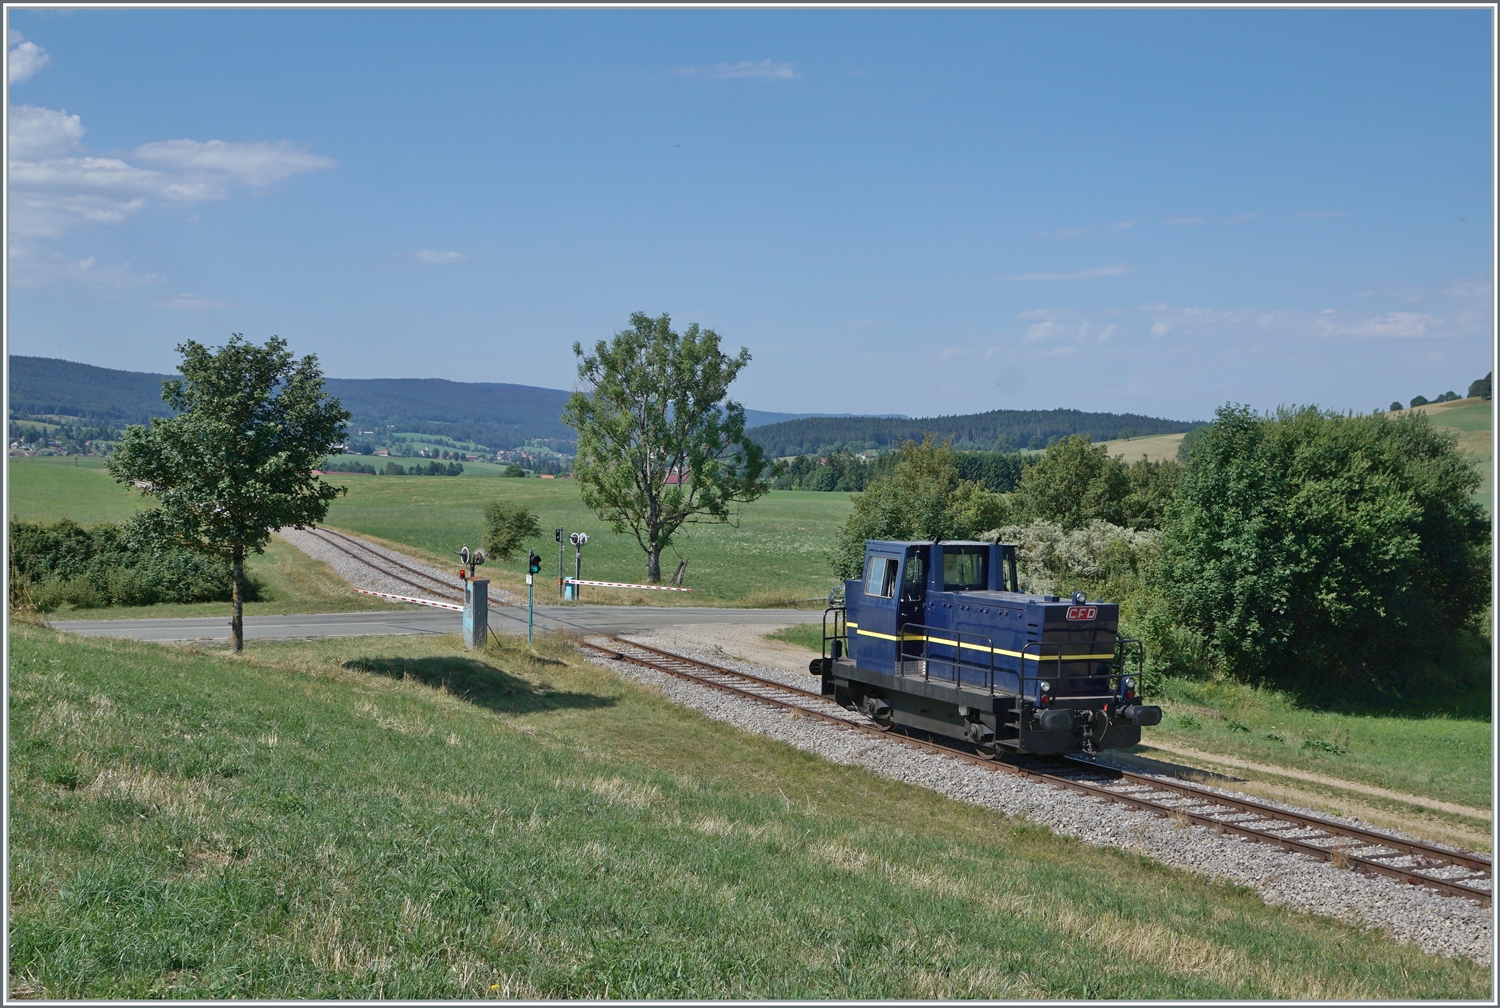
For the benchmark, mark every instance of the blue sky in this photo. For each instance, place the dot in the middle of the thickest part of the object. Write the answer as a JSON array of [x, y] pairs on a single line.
[[918, 212]]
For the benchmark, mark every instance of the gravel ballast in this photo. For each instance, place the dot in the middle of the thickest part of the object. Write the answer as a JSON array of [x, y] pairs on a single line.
[[1443, 925], [363, 576]]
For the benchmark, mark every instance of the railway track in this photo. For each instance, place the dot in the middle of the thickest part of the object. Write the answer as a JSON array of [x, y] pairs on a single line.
[[1453, 873], [362, 553]]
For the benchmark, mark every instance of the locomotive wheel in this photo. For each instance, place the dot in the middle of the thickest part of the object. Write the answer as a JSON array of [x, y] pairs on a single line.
[[886, 721], [989, 751]]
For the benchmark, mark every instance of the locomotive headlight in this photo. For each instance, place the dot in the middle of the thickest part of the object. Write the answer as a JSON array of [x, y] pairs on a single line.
[[1045, 687], [1128, 682]]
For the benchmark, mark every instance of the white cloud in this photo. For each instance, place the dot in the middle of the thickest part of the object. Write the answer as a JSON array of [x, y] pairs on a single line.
[[758, 69], [1326, 324], [40, 133], [23, 60], [428, 256], [1051, 329], [1472, 287], [27, 269], [1119, 269], [56, 183], [1241, 218], [1109, 331], [1125, 225], [208, 168], [192, 302]]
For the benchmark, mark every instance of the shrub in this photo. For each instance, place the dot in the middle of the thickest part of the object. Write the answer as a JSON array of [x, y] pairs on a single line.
[[67, 564], [1077, 482], [1327, 554], [506, 527], [1053, 560]]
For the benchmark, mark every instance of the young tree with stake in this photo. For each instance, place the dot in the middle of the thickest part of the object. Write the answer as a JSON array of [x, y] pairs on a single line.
[[236, 463], [659, 445]]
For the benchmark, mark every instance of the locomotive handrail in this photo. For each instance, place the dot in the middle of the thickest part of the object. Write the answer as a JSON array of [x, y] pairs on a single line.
[[957, 643], [840, 623], [1137, 649], [1062, 660]]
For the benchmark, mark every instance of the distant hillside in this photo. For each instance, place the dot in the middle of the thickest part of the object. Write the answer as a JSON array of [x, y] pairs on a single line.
[[1021, 428], [487, 413], [43, 386], [760, 418]]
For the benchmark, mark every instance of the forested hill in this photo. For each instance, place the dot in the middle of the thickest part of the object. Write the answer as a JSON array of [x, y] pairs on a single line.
[[1005, 430], [43, 386], [487, 413], [502, 416]]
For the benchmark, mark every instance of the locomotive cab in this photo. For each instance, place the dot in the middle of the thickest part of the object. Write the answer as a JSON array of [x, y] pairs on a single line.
[[940, 638]]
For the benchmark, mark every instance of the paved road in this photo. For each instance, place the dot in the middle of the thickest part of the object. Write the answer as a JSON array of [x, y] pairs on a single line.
[[596, 619]]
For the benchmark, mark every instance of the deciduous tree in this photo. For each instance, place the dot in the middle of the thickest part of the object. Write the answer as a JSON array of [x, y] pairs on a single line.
[[1326, 553], [923, 498], [659, 443], [236, 462], [1075, 481], [506, 527]]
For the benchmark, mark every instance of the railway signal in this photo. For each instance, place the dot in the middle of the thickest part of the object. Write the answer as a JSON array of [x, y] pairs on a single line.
[[561, 573], [578, 539], [533, 567]]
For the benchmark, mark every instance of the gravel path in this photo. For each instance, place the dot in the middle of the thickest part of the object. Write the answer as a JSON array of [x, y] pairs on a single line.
[[1438, 924], [361, 576]]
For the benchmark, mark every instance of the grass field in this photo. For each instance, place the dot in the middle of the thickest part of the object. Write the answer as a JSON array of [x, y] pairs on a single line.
[[398, 818], [775, 556], [48, 489], [1471, 419], [1267, 738], [1158, 448]]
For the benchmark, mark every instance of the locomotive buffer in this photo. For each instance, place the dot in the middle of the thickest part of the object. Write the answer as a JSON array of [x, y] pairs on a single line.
[[937, 636]]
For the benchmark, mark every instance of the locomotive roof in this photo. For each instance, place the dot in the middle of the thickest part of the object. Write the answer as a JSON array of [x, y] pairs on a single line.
[[929, 542]]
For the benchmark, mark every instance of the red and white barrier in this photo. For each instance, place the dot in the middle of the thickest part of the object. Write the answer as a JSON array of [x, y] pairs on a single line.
[[617, 584], [418, 601]]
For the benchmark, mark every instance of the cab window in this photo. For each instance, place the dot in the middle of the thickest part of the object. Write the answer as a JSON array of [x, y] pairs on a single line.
[[880, 576], [966, 569]]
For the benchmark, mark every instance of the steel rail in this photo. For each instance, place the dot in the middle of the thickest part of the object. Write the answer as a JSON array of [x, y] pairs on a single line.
[[1468, 859], [421, 574], [385, 572], [1272, 823]]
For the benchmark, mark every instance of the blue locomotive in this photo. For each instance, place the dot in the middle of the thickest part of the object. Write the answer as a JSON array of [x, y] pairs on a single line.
[[937, 636]]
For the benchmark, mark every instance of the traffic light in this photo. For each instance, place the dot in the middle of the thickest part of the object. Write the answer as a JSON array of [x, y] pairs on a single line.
[[558, 535], [533, 563]]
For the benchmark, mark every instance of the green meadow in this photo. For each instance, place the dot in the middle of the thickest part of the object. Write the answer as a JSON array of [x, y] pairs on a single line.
[[49, 489], [399, 818], [775, 556]]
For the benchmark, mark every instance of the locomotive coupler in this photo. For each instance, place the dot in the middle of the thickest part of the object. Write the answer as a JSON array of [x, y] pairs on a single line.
[[1088, 731]]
